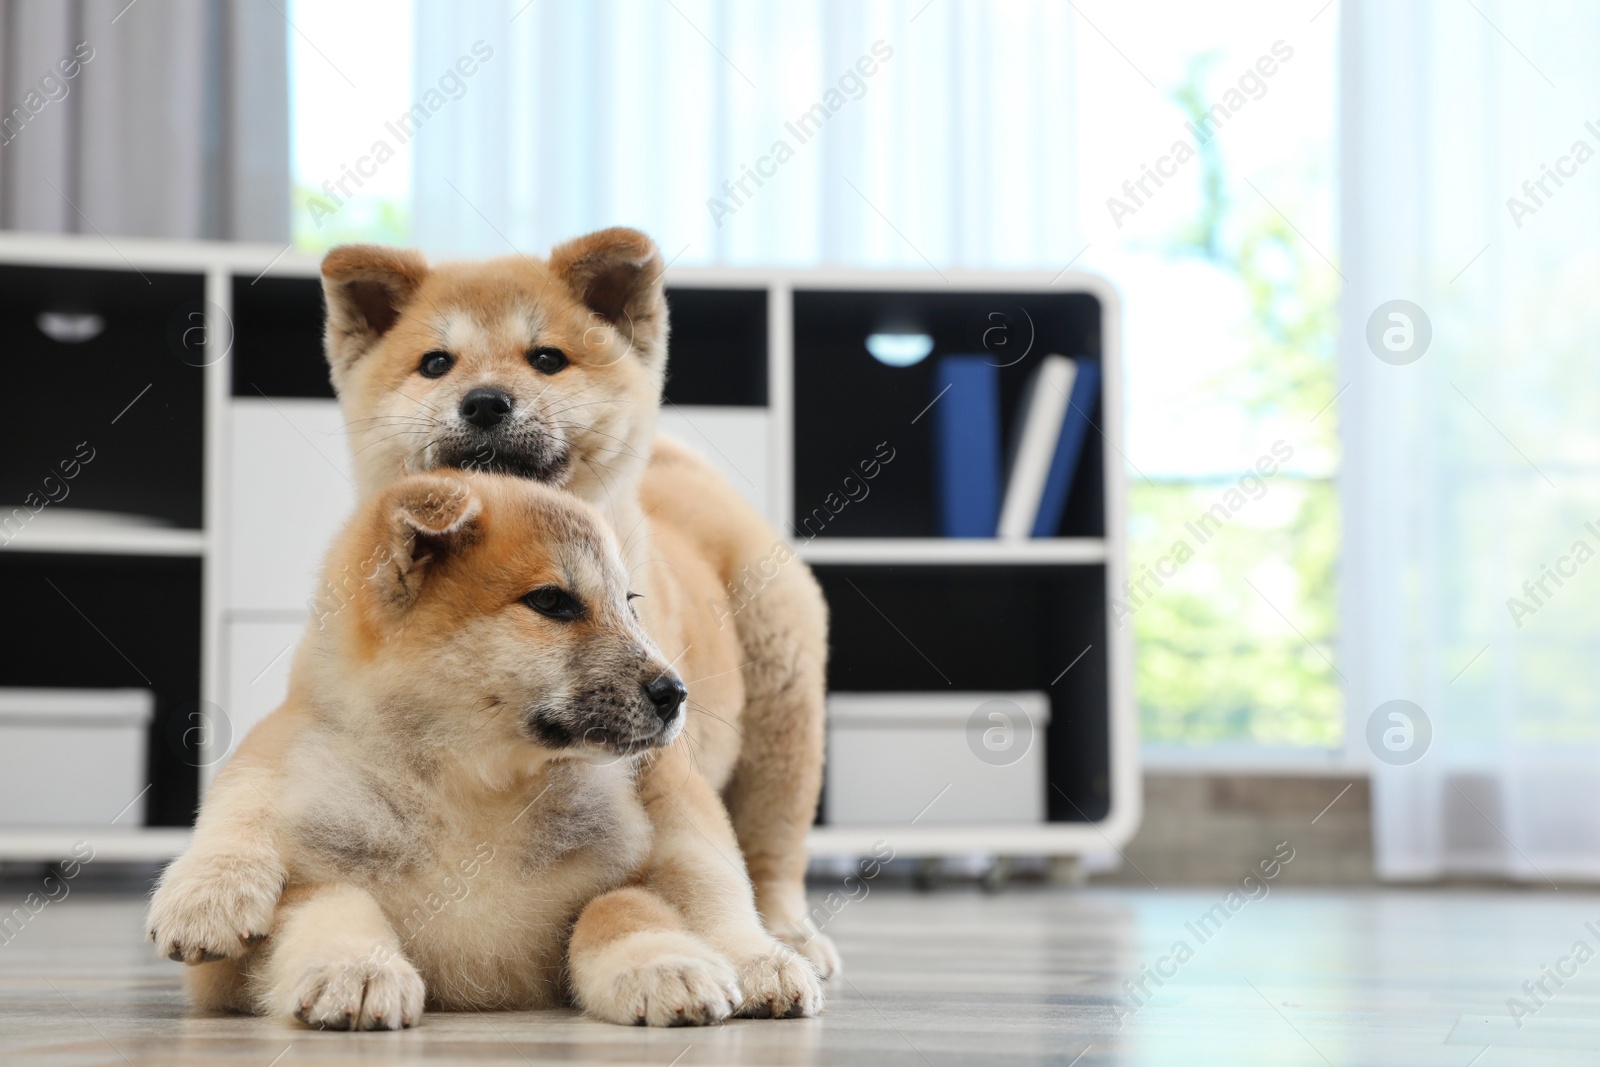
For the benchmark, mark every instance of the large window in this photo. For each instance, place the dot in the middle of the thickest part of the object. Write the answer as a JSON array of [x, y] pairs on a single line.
[[1228, 266], [1193, 164], [349, 75]]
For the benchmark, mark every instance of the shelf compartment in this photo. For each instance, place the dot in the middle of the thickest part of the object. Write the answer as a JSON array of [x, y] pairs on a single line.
[[104, 397], [112, 622], [987, 627], [717, 355], [277, 338], [848, 404]]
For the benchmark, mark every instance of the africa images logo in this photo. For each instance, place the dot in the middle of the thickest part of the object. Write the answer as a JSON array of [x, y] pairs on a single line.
[[1399, 732]]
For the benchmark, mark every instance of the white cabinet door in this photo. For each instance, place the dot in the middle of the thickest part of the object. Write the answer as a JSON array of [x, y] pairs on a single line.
[[259, 655], [291, 487], [290, 490], [734, 440]]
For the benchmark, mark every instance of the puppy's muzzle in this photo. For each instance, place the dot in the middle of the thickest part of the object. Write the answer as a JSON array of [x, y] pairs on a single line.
[[492, 433], [623, 721]]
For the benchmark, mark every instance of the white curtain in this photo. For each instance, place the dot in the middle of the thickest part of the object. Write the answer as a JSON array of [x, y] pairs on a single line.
[[1476, 468], [943, 137], [161, 118]]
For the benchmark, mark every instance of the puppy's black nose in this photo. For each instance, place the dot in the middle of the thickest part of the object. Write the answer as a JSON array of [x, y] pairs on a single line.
[[484, 408], [666, 693]]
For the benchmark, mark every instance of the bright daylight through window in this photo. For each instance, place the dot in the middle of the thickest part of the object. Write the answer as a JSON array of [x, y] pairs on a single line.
[[1199, 175]]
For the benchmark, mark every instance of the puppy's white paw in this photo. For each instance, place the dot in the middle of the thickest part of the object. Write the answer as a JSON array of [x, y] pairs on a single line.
[[818, 948], [377, 991], [211, 907], [778, 984], [658, 978]]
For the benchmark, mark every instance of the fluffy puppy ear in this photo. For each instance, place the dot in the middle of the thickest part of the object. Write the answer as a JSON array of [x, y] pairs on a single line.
[[426, 518], [366, 287], [617, 274]]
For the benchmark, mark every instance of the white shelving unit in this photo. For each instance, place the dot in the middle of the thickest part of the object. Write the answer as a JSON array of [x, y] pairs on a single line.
[[254, 586]]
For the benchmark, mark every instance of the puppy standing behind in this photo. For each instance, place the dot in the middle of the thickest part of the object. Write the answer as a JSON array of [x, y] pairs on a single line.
[[461, 784]]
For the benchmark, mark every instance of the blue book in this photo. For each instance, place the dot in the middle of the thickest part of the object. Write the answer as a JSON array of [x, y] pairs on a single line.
[[1069, 448], [966, 445]]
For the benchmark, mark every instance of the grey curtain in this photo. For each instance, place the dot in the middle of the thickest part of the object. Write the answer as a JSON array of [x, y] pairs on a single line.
[[159, 118]]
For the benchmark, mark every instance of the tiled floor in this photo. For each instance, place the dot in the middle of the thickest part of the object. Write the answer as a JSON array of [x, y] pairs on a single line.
[[1031, 976]]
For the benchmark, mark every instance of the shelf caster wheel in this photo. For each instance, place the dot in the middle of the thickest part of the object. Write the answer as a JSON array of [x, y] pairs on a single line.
[[998, 876], [928, 875], [1068, 871]]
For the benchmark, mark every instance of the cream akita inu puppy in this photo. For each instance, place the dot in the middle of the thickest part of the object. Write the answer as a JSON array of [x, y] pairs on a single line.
[[462, 782], [552, 371]]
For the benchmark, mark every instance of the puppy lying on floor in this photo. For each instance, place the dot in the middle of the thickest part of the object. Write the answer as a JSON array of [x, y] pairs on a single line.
[[457, 816]]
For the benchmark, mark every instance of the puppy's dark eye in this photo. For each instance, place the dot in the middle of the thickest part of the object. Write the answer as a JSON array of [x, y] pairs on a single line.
[[547, 360], [436, 364], [554, 603], [631, 598]]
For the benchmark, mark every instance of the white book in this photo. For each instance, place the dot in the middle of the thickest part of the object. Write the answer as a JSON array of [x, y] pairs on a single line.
[[1041, 413]]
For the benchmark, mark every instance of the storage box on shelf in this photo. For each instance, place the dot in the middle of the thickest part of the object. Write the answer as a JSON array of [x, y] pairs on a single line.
[[243, 464], [909, 758], [74, 757]]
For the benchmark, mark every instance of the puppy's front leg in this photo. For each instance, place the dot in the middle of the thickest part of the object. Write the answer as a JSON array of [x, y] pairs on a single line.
[[335, 963], [632, 961], [696, 866], [218, 898]]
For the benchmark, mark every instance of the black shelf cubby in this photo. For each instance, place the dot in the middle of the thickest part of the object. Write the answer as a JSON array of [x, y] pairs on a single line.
[[277, 338], [847, 402], [718, 347], [986, 627], [83, 621], [109, 365]]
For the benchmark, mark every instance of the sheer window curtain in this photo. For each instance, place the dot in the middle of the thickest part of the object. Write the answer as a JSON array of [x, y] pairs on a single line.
[[1472, 475], [940, 134], [164, 118]]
